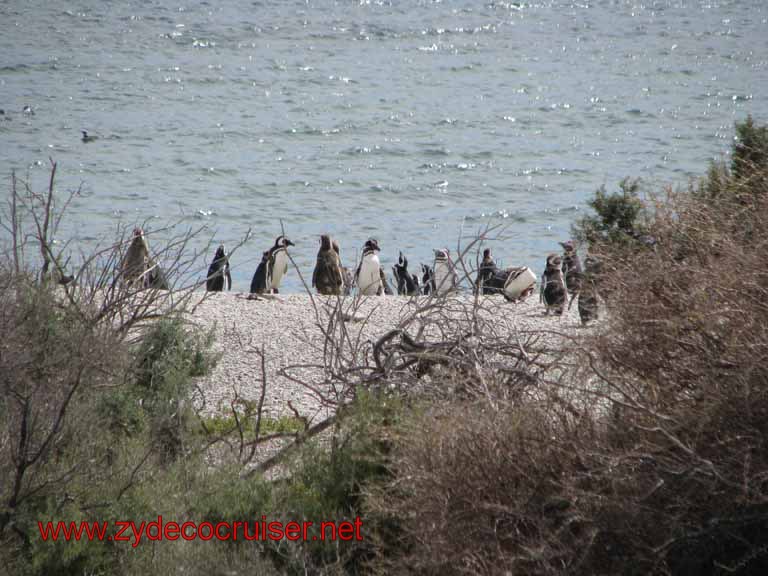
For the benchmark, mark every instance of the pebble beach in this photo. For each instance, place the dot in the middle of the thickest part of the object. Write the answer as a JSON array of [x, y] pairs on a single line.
[[287, 328]]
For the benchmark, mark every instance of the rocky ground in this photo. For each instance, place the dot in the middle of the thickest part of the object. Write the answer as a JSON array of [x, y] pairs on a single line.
[[287, 329]]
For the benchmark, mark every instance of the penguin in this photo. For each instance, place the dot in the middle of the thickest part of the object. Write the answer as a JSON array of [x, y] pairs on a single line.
[[368, 276], [427, 279], [553, 292], [589, 290], [486, 274], [87, 138], [138, 267], [134, 262], [407, 284], [259, 280], [571, 269], [346, 275], [384, 282], [327, 276], [277, 266], [219, 278], [444, 277], [155, 277]]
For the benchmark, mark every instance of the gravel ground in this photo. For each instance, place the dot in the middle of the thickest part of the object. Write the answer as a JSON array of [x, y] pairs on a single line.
[[287, 328]]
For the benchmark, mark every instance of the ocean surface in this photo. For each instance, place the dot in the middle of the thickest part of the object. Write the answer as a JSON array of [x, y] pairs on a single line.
[[415, 122]]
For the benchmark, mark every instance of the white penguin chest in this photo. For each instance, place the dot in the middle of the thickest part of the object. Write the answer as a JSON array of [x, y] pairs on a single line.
[[278, 269], [444, 277], [225, 277], [369, 279]]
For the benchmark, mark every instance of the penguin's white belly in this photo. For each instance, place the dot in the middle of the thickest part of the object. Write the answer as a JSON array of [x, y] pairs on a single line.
[[444, 280], [369, 280], [279, 268], [225, 275]]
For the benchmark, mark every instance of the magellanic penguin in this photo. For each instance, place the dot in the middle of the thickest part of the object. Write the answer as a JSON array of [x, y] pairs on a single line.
[[277, 266], [553, 290], [571, 269], [485, 274], [138, 268], [219, 278], [588, 306], [427, 279], [259, 280], [407, 284], [368, 276], [327, 277], [445, 278], [346, 275]]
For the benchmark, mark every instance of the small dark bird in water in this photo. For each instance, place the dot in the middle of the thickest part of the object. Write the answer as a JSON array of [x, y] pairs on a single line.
[[259, 280], [87, 137], [219, 278], [346, 273], [553, 290], [28, 110], [407, 284], [571, 269], [588, 305], [327, 276], [427, 279]]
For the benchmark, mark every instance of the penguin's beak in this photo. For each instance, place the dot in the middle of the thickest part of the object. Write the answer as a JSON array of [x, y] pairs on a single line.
[[289, 243]]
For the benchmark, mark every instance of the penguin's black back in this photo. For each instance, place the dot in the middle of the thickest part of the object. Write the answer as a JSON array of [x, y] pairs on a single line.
[[553, 290], [218, 271], [259, 281]]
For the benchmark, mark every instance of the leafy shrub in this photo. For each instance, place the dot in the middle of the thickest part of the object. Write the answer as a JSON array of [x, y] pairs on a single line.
[[750, 151], [618, 218], [168, 357]]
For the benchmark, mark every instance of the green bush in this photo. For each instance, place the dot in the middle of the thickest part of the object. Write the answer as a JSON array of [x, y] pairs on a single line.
[[168, 358], [618, 216], [750, 151]]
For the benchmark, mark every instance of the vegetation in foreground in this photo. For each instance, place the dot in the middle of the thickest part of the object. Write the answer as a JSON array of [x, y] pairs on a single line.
[[634, 448]]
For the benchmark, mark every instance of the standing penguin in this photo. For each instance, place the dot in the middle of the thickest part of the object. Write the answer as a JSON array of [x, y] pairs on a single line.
[[278, 263], [138, 268], [346, 275], [427, 279], [327, 276], [486, 274], [445, 278], [368, 276], [571, 269], [553, 290], [134, 263], [219, 278], [589, 290], [407, 284], [259, 281]]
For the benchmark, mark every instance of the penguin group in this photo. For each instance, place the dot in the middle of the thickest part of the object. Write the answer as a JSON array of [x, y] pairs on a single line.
[[564, 279]]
